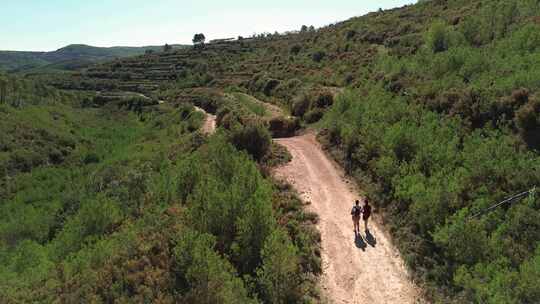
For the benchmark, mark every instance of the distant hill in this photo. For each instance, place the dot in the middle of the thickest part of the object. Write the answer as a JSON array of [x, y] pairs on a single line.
[[71, 57]]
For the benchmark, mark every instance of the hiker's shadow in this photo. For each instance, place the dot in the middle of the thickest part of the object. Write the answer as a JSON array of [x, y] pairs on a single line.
[[370, 239], [359, 241]]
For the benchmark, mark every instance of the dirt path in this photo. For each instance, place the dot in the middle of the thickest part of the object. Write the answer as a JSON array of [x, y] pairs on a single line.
[[365, 269], [209, 125]]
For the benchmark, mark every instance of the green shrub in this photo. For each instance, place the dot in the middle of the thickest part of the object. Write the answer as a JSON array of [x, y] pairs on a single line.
[[527, 289], [301, 105], [25, 160], [98, 217], [520, 96], [234, 89], [277, 275], [287, 90], [253, 138], [30, 261], [437, 38], [232, 193], [471, 29], [226, 118], [528, 122], [203, 275], [269, 86], [293, 83], [295, 49], [91, 158], [348, 79], [283, 127], [314, 115], [56, 156], [349, 34], [526, 39], [318, 56], [324, 99]]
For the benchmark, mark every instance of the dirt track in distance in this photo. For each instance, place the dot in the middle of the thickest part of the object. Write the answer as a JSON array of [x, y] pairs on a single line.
[[361, 269], [209, 125]]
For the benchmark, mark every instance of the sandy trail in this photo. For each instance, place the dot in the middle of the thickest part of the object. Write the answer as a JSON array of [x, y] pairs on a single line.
[[363, 269], [209, 125]]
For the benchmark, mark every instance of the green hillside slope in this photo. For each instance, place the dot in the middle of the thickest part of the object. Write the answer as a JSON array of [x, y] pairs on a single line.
[[71, 57]]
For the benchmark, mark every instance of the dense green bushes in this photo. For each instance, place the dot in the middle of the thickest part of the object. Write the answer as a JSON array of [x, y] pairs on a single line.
[[313, 115], [283, 126], [253, 138], [148, 210], [437, 38], [295, 49], [301, 105], [279, 269], [476, 81], [263, 83], [309, 105], [528, 122], [18, 92], [34, 136], [204, 275]]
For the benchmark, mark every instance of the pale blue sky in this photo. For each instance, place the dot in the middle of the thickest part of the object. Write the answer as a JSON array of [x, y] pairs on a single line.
[[46, 25]]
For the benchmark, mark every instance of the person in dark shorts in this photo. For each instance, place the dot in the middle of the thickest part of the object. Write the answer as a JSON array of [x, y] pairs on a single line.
[[355, 213], [366, 213]]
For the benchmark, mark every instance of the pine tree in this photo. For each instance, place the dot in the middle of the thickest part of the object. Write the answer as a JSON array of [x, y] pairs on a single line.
[[278, 276]]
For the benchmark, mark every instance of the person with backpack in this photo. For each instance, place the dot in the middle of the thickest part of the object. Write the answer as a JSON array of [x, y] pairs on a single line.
[[355, 212], [366, 213]]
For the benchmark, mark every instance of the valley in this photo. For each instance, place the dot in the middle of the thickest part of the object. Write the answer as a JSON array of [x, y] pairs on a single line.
[[224, 172]]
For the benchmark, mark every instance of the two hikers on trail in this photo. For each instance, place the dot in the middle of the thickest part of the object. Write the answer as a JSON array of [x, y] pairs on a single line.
[[356, 211]]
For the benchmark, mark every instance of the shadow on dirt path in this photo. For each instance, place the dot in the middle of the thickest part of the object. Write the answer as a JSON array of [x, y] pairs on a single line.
[[363, 268]]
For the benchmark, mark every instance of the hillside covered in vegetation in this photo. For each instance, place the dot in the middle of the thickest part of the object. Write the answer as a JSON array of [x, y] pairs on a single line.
[[433, 108], [129, 201], [71, 57]]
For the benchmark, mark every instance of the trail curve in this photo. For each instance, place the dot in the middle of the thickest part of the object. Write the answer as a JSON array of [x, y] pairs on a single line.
[[209, 125]]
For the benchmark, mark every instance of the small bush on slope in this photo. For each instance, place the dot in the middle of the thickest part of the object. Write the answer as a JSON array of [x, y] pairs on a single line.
[[253, 138], [438, 38], [528, 122]]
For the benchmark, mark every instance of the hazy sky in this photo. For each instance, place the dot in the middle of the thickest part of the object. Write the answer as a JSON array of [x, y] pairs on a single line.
[[45, 25]]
